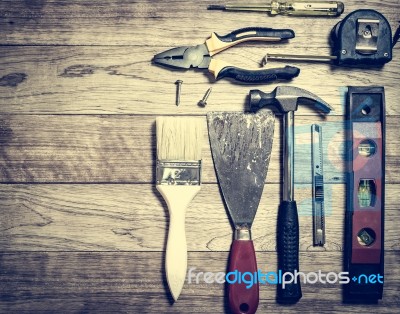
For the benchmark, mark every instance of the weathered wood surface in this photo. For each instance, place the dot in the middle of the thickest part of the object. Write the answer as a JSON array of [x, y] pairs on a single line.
[[78, 100], [129, 217], [133, 282], [122, 80], [153, 23], [121, 149]]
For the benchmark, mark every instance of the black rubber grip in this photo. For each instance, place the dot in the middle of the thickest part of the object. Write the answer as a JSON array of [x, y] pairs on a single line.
[[251, 32], [288, 251], [259, 76]]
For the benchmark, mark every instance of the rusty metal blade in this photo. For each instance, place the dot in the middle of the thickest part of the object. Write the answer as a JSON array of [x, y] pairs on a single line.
[[241, 148]]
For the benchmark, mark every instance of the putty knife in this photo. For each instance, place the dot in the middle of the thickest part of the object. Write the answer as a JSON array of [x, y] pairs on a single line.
[[241, 147]]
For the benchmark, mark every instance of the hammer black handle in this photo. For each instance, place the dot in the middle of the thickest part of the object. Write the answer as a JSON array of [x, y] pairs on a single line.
[[288, 251]]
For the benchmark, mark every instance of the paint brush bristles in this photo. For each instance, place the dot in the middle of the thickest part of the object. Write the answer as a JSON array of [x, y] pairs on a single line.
[[179, 138]]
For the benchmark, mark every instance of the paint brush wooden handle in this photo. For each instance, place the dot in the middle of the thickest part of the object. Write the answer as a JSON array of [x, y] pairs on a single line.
[[243, 297], [177, 199]]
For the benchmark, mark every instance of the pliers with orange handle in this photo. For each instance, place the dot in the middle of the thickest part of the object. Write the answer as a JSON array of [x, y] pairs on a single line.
[[200, 56]]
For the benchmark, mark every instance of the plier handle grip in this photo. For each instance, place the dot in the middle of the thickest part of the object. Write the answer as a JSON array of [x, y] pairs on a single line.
[[200, 56]]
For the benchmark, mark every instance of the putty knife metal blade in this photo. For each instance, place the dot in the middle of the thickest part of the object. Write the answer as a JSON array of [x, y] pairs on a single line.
[[241, 148]]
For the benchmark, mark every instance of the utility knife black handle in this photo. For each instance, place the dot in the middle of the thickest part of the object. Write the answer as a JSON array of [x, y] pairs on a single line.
[[288, 251], [254, 33], [259, 76]]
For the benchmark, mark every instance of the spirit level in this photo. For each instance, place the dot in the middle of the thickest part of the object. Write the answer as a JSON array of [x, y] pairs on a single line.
[[365, 194]]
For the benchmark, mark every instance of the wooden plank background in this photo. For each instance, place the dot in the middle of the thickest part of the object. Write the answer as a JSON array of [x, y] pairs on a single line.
[[82, 227]]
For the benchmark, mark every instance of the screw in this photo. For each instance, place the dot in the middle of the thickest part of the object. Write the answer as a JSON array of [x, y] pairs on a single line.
[[203, 102], [178, 91]]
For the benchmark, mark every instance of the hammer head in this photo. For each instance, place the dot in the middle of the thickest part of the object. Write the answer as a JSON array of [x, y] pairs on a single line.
[[285, 99]]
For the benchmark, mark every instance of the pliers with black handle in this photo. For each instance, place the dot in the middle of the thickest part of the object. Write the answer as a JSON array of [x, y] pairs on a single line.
[[200, 56]]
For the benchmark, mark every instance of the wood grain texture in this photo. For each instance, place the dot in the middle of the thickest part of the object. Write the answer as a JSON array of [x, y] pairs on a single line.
[[121, 149], [152, 23], [78, 101], [135, 218], [146, 8], [134, 282], [122, 80]]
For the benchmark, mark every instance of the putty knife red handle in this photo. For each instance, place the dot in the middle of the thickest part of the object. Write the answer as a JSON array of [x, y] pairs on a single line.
[[243, 296]]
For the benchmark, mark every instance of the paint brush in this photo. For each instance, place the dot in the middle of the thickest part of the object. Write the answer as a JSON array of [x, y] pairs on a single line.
[[178, 174]]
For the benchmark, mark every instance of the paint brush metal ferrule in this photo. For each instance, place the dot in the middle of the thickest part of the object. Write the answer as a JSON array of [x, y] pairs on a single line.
[[173, 172]]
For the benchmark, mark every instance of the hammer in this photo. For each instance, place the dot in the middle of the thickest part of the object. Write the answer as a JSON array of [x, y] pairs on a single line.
[[285, 100]]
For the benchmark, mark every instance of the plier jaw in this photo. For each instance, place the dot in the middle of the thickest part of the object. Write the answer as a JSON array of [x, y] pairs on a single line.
[[171, 57], [185, 57]]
